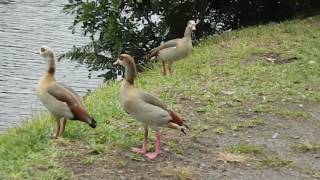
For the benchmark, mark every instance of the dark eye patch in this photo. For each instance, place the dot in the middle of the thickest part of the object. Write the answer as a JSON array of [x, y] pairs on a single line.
[[42, 49]]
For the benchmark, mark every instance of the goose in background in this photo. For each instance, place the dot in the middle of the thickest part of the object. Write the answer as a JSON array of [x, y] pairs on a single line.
[[144, 107], [174, 50], [58, 98]]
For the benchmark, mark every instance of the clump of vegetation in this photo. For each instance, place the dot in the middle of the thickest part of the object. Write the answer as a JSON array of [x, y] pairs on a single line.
[[97, 148], [219, 130], [316, 174], [296, 114], [68, 154], [247, 124], [88, 160], [245, 149], [177, 172], [306, 147], [275, 162]]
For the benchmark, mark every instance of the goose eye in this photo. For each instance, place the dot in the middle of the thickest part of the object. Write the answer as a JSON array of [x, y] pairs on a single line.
[[42, 49]]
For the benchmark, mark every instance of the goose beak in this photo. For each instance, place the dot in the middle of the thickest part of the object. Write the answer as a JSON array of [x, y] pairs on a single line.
[[152, 59], [117, 62], [36, 52]]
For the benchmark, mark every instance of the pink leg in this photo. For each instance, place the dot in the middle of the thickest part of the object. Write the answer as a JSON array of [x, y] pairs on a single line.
[[142, 150], [153, 155]]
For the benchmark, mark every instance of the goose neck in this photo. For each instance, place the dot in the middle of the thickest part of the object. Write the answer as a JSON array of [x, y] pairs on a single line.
[[130, 72], [188, 32], [51, 68]]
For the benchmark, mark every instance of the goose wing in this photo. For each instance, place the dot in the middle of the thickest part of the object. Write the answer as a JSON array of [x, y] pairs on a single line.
[[63, 93], [71, 90], [163, 116], [148, 98], [168, 44]]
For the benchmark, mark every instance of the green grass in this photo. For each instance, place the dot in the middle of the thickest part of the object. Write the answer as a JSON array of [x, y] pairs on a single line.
[[97, 149], [245, 149], [234, 62], [276, 162], [220, 130], [307, 147], [88, 160], [237, 126], [297, 114]]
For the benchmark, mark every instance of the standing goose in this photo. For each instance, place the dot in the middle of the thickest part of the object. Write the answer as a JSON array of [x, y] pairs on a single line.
[[174, 49], [58, 98], [145, 108]]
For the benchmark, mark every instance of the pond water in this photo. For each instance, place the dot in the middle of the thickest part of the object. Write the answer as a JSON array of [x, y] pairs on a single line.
[[25, 25]]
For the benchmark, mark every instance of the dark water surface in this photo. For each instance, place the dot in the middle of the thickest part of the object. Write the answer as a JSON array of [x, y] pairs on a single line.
[[25, 25]]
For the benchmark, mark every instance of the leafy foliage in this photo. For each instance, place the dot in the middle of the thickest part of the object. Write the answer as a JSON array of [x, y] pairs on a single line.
[[127, 26], [114, 26], [118, 26]]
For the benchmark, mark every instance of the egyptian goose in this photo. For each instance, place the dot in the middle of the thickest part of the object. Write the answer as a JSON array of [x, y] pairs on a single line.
[[145, 108], [174, 49], [58, 98]]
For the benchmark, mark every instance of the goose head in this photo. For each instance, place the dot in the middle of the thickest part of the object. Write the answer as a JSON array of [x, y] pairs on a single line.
[[124, 60], [192, 25], [128, 63], [45, 52], [92, 123], [87, 119]]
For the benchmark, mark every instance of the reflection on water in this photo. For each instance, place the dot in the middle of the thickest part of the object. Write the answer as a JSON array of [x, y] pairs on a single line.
[[6, 2], [25, 25]]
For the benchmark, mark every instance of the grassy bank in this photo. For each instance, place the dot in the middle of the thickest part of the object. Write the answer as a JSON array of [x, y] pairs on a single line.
[[242, 80]]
